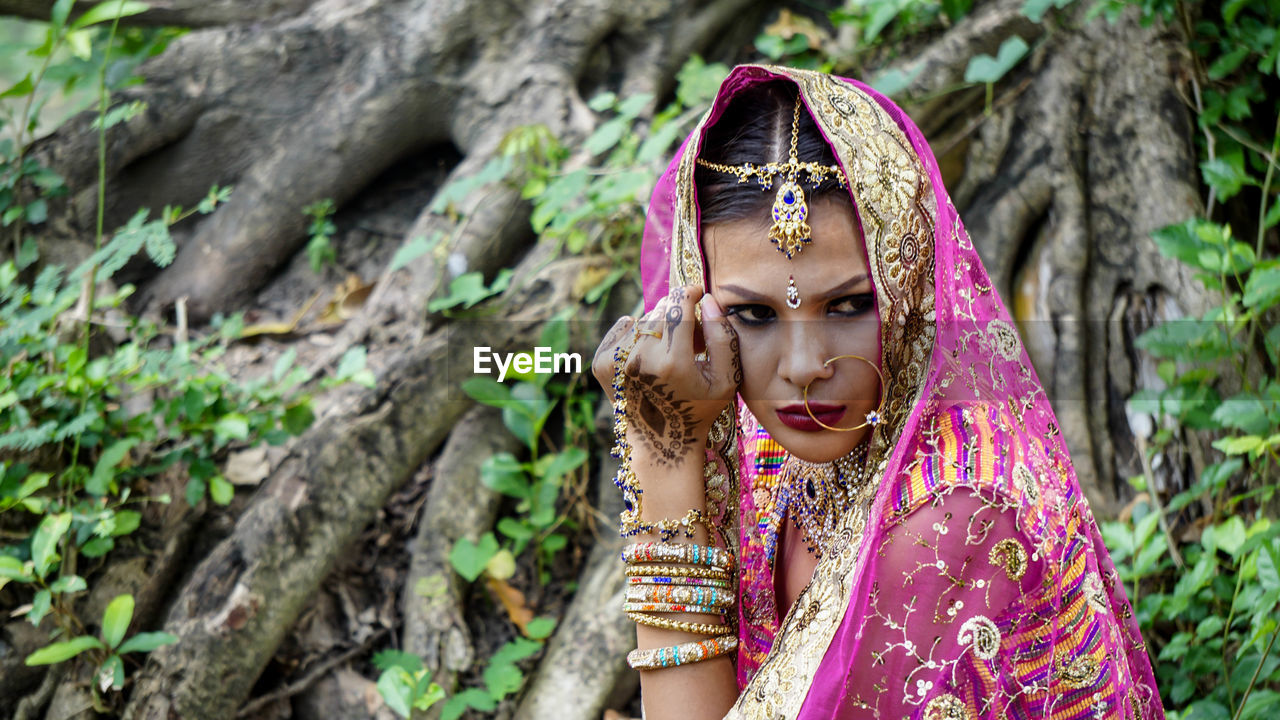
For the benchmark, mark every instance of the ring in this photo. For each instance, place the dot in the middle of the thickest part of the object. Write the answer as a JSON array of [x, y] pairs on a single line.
[[654, 333], [873, 417]]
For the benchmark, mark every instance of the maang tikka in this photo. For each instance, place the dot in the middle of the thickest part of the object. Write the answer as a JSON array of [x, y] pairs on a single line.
[[790, 230]]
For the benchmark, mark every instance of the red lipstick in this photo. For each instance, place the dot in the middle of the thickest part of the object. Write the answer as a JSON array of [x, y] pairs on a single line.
[[794, 416]]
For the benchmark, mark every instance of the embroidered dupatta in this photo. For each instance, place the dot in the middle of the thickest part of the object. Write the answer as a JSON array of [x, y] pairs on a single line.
[[976, 584]]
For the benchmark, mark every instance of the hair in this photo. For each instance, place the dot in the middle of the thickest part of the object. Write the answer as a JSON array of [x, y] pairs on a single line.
[[756, 128]]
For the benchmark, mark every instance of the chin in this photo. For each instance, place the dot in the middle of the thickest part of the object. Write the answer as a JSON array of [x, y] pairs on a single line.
[[818, 447]]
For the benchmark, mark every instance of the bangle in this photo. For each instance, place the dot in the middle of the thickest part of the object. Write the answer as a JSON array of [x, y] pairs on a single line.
[[714, 597], [682, 654], [667, 580], [670, 608], [682, 552], [682, 571], [714, 629]]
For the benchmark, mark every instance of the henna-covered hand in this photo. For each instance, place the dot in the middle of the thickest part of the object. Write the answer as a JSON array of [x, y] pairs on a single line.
[[672, 397]]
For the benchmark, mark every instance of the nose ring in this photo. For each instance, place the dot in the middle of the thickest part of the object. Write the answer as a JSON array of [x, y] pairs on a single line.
[[873, 418]]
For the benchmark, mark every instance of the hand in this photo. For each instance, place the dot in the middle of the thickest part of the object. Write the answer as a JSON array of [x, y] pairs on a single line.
[[672, 397]]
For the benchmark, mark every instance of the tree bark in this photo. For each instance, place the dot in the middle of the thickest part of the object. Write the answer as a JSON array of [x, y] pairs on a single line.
[[1086, 151]]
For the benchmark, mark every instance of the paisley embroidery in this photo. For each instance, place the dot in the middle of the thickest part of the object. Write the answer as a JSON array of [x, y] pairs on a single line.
[[1081, 672], [981, 635], [1010, 555]]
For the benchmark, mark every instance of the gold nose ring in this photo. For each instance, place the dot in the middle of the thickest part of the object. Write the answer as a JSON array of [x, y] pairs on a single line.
[[873, 418]]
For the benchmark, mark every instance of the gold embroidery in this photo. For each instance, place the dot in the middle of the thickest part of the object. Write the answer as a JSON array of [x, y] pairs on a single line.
[[1010, 555], [981, 635], [1094, 593], [946, 707], [1004, 340], [1081, 672]]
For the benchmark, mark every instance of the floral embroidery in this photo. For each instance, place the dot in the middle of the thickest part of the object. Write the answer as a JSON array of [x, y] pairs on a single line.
[[1004, 339], [1094, 593], [1010, 555], [946, 707], [1081, 672]]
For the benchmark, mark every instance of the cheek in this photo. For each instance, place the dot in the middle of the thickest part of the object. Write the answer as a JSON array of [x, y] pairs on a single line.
[[759, 365]]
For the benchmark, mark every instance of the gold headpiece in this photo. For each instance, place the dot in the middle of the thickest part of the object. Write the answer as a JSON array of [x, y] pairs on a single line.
[[790, 231]]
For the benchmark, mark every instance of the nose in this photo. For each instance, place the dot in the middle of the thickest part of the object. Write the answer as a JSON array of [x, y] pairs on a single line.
[[801, 359]]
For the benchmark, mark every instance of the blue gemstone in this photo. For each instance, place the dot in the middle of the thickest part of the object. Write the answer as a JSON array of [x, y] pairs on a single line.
[[788, 197]]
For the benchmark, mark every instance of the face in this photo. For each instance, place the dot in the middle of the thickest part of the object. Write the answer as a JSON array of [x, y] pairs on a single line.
[[785, 349]]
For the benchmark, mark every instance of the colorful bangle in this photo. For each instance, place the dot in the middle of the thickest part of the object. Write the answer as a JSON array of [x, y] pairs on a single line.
[[679, 552], [682, 654], [714, 597], [667, 580], [671, 608], [682, 571], [694, 628]]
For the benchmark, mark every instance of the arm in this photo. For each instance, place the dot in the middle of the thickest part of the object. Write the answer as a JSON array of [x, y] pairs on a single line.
[[671, 401]]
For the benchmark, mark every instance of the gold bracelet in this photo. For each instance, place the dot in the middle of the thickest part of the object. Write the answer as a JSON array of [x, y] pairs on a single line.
[[714, 597], [663, 607], [682, 654], [708, 555], [679, 581], [665, 624], [676, 571]]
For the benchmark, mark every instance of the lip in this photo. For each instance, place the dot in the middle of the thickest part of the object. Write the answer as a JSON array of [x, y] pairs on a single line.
[[795, 417]]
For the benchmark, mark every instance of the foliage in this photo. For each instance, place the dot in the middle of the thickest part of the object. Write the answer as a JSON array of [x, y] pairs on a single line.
[[92, 422], [405, 684], [319, 248], [1203, 565]]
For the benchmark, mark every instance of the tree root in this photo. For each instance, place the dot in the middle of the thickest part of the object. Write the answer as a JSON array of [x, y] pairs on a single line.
[[458, 505]]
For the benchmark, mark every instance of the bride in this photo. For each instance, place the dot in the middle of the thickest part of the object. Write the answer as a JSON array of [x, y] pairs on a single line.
[[846, 487]]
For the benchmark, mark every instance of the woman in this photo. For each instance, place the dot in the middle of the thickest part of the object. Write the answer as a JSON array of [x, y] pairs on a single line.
[[840, 447]]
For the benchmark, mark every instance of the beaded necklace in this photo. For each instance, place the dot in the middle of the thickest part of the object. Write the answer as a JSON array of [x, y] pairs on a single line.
[[816, 495]]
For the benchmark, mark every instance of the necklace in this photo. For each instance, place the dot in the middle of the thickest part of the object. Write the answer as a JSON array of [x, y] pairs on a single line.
[[815, 495]]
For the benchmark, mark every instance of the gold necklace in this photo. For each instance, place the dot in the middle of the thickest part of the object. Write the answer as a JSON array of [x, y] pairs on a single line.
[[816, 496]]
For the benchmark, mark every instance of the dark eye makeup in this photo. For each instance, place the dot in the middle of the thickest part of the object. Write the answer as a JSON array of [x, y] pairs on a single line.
[[756, 314]]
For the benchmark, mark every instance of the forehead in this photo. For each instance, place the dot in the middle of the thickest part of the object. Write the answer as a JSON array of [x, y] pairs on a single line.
[[740, 251]]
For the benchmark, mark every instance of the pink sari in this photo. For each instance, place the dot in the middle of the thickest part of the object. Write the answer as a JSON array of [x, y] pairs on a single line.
[[976, 585]]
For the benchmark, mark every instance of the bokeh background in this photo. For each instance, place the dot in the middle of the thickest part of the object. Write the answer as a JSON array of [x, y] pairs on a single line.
[[249, 248]]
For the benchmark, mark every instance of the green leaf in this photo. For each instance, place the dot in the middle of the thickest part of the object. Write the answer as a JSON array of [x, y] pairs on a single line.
[[469, 559], [19, 89], [11, 568], [487, 391], [108, 10], [146, 642], [59, 651], [562, 463], [232, 426], [502, 680], [104, 471], [540, 628], [97, 547], [1231, 536], [502, 566], [68, 584], [61, 9], [1269, 568], [1226, 173], [602, 101], [503, 473], [987, 69], [396, 687], [221, 491], [1227, 63], [44, 544], [112, 669], [1262, 289], [387, 659], [116, 619], [416, 247], [37, 211], [298, 417], [40, 605], [1238, 445], [473, 698]]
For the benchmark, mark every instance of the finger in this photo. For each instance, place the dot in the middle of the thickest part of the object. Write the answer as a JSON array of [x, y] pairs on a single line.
[[723, 351], [678, 321], [602, 364]]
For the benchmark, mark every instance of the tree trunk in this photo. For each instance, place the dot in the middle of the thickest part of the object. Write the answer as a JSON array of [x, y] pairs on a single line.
[[1087, 149]]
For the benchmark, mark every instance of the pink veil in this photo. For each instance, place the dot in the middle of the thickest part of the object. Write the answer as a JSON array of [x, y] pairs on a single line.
[[977, 584]]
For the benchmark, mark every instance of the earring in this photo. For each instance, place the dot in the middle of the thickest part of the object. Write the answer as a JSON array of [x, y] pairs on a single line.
[[793, 293], [873, 417]]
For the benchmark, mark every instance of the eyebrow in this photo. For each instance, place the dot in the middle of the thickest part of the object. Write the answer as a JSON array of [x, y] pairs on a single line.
[[836, 291]]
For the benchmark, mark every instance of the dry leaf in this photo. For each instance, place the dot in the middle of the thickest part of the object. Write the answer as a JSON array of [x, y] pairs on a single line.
[[788, 25], [347, 300], [248, 467], [280, 328], [512, 601]]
